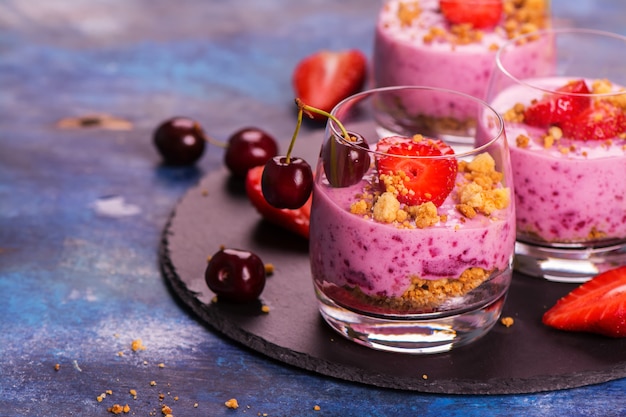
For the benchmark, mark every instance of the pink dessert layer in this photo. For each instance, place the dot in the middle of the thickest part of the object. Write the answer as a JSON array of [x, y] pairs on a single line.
[[573, 191], [380, 259], [403, 57]]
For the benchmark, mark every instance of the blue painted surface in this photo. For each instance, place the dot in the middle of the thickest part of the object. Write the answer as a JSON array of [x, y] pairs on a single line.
[[81, 211]]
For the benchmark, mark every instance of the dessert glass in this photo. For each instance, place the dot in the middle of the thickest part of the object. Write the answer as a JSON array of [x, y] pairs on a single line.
[[570, 190], [415, 44], [412, 278]]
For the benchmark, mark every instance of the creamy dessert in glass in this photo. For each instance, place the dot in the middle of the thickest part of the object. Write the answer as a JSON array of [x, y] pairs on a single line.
[[411, 236], [422, 42], [567, 125]]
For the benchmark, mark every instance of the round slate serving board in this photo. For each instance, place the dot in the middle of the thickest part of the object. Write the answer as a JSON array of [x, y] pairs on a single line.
[[527, 357]]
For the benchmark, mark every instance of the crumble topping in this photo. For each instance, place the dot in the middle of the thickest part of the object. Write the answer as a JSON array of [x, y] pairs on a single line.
[[520, 17], [479, 191]]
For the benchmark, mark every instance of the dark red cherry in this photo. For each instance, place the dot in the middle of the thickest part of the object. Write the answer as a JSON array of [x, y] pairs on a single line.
[[235, 275], [345, 163], [180, 141], [247, 148], [287, 184]]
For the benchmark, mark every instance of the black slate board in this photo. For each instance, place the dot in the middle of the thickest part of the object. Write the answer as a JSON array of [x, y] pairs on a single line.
[[525, 358]]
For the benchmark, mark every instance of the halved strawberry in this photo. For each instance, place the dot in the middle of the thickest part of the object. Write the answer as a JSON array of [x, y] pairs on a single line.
[[558, 107], [425, 179], [597, 306], [325, 78], [297, 220], [600, 121], [479, 13]]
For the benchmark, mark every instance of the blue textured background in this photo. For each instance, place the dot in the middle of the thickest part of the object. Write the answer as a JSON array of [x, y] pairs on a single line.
[[81, 211]]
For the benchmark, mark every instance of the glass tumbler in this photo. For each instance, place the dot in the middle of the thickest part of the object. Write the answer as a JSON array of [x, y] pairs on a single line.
[[412, 222], [566, 120]]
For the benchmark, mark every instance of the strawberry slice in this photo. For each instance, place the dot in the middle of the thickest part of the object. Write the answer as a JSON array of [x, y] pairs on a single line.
[[325, 78], [480, 14], [425, 179], [600, 121], [296, 220], [597, 306], [559, 106]]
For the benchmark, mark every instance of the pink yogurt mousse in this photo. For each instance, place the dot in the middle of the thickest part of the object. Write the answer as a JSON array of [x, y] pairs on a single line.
[[563, 197], [347, 249], [401, 57]]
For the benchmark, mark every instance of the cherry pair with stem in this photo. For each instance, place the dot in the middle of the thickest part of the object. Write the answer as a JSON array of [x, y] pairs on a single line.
[[181, 141], [287, 181]]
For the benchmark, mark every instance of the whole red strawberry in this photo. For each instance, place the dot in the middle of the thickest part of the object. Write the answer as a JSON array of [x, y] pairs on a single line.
[[425, 179], [325, 78], [480, 14], [567, 102], [597, 306]]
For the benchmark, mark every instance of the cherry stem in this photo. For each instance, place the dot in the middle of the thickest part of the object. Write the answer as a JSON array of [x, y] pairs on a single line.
[[310, 109], [215, 142]]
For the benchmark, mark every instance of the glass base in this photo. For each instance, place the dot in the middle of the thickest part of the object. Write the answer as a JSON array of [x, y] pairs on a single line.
[[418, 334], [571, 264]]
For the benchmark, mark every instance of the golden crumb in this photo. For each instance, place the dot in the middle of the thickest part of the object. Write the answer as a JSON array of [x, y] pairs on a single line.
[[119, 409], [166, 410], [269, 269], [424, 377], [548, 141], [482, 192], [359, 207], [161, 365], [136, 345], [265, 308], [232, 403], [317, 407], [507, 321], [57, 367], [133, 392], [522, 141], [195, 405], [120, 353], [386, 207], [109, 392], [152, 383], [100, 397], [556, 132], [408, 11], [425, 214]]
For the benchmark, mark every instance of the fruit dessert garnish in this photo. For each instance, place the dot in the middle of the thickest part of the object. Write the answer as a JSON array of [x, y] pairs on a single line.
[[181, 141], [477, 13], [325, 78], [287, 181], [247, 148], [573, 109], [295, 220], [564, 104], [235, 275], [417, 180], [597, 306]]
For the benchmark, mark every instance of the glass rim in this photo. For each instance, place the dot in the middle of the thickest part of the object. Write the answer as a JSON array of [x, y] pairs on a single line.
[[555, 31], [499, 135]]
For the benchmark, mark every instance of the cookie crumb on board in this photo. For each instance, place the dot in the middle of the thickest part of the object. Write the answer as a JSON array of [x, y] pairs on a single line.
[[507, 321]]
